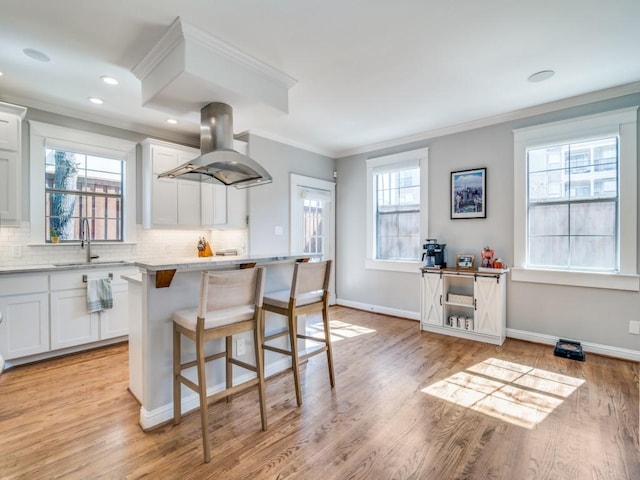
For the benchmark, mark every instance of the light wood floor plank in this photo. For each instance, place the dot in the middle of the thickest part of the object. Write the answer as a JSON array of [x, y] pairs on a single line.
[[407, 405]]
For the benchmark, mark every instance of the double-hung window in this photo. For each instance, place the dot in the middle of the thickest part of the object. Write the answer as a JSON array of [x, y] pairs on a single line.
[[395, 186], [78, 175], [78, 186], [576, 201]]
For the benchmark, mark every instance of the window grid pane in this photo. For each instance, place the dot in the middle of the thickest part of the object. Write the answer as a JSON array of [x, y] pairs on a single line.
[[573, 205], [79, 186], [398, 215]]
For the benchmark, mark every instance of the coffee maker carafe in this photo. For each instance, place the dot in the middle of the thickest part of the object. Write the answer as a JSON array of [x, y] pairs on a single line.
[[434, 255]]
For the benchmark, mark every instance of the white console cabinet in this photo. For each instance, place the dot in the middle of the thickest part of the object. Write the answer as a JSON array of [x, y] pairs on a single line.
[[464, 303]]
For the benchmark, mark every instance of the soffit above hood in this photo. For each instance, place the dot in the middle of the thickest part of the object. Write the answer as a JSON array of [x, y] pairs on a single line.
[[189, 67]]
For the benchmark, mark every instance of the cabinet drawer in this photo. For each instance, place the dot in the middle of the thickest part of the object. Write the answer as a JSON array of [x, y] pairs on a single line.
[[74, 278], [23, 283]]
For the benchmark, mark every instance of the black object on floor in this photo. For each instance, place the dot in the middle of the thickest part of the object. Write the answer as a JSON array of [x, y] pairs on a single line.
[[569, 349]]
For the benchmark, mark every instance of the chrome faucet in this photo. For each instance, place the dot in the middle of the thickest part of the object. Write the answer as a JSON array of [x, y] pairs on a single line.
[[86, 237]]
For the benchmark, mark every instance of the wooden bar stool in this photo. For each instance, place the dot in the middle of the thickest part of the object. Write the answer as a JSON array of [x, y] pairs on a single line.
[[309, 293], [230, 302]]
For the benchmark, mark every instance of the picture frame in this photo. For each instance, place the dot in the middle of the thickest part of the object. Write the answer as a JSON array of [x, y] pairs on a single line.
[[469, 193], [465, 261]]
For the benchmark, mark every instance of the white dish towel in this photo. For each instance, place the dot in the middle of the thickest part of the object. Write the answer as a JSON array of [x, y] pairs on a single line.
[[99, 295]]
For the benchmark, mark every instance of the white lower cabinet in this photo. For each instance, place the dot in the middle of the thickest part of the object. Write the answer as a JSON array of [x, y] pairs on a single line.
[[468, 304], [24, 329], [71, 323]]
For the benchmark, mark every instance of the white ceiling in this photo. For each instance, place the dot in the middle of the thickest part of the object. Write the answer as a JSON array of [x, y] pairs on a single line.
[[368, 71]]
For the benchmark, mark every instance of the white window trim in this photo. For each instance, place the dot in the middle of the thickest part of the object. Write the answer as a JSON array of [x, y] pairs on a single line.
[[619, 122], [42, 135], [412, 158]]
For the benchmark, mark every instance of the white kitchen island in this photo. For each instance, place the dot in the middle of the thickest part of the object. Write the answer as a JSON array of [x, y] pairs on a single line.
[[151, 333]]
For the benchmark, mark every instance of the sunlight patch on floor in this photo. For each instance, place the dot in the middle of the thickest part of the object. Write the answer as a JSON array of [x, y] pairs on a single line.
[[515, 393], [339, 330]]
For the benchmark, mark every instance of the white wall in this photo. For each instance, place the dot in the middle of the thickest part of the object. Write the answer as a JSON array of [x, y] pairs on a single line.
[[269, 204], [586, 314]]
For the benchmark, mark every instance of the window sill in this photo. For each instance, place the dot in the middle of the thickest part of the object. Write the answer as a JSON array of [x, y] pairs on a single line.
[[612, 281], [393, 266]]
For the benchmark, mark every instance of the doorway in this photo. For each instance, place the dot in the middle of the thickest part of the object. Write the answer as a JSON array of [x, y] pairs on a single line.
[[312, 218]]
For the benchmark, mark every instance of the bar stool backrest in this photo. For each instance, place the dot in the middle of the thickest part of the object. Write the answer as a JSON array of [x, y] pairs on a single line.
[[223, 289], [310, 277]]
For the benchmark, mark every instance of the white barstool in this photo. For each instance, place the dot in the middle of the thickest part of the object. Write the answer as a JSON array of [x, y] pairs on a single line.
[[230, 302], [309, 293]]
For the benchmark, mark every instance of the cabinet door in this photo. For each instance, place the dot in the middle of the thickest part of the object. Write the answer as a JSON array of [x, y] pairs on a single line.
[[71, 323], [489, 302], [236, 207], [188, 203], [114, 322], [431, 301], [9, 182], [9, 132], [24, 328], [213, 204], [164, 202]]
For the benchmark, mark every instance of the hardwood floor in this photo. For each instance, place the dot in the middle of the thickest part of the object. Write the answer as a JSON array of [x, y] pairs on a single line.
[[407, 405]]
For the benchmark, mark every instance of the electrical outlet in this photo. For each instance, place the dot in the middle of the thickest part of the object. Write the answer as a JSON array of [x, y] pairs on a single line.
[[634, 327], [240, 348], [17, 251]]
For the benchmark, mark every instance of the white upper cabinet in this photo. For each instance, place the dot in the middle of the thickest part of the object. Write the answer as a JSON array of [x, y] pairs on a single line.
[[10, 158], [170, 202], [167, 202]]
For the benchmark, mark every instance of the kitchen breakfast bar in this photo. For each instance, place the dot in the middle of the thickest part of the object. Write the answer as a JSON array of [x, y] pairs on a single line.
[[165, 286]]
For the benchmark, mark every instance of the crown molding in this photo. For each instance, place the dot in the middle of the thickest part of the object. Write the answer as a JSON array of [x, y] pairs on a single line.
[[570, 102]]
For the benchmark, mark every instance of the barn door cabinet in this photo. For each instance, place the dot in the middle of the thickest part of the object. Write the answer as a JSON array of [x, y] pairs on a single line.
[[10, 157], [464, 303]]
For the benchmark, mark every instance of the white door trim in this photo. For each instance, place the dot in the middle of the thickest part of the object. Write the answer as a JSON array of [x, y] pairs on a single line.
[[300, 181]]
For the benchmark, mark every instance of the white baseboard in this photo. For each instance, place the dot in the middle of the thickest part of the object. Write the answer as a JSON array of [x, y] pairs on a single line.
[[608, 350], [379, 309], [163, 414]]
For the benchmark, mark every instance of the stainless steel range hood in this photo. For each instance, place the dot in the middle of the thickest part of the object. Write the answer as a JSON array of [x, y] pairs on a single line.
[[219, 160]]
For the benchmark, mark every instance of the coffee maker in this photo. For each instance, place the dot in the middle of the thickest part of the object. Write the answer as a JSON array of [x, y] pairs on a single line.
[[434, 255]]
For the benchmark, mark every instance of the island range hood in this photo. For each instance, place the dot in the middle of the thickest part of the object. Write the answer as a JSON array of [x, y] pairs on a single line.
[[218, 159]]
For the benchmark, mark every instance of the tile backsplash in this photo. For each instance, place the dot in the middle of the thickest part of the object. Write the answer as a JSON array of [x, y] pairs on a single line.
[[150, 244]]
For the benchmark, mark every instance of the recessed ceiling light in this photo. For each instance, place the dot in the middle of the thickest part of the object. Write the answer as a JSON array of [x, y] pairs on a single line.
[[172, 121], [109, 80], [0, 74], [36, 54], [96, 100], [541, 76]]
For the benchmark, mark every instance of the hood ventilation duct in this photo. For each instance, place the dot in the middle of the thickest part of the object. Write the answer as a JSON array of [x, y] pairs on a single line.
[[218, 159]]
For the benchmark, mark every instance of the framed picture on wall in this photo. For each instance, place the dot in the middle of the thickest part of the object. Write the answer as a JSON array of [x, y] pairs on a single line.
[[469, 193], [465, 261]]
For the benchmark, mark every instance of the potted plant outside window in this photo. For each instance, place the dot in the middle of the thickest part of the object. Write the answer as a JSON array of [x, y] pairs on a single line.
[[54, 235]]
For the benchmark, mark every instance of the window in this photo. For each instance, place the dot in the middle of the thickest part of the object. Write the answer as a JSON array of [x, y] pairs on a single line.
[[566, 231], [79, 186], [77, 175], [575, 219], [312, 225], [395, 213]]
